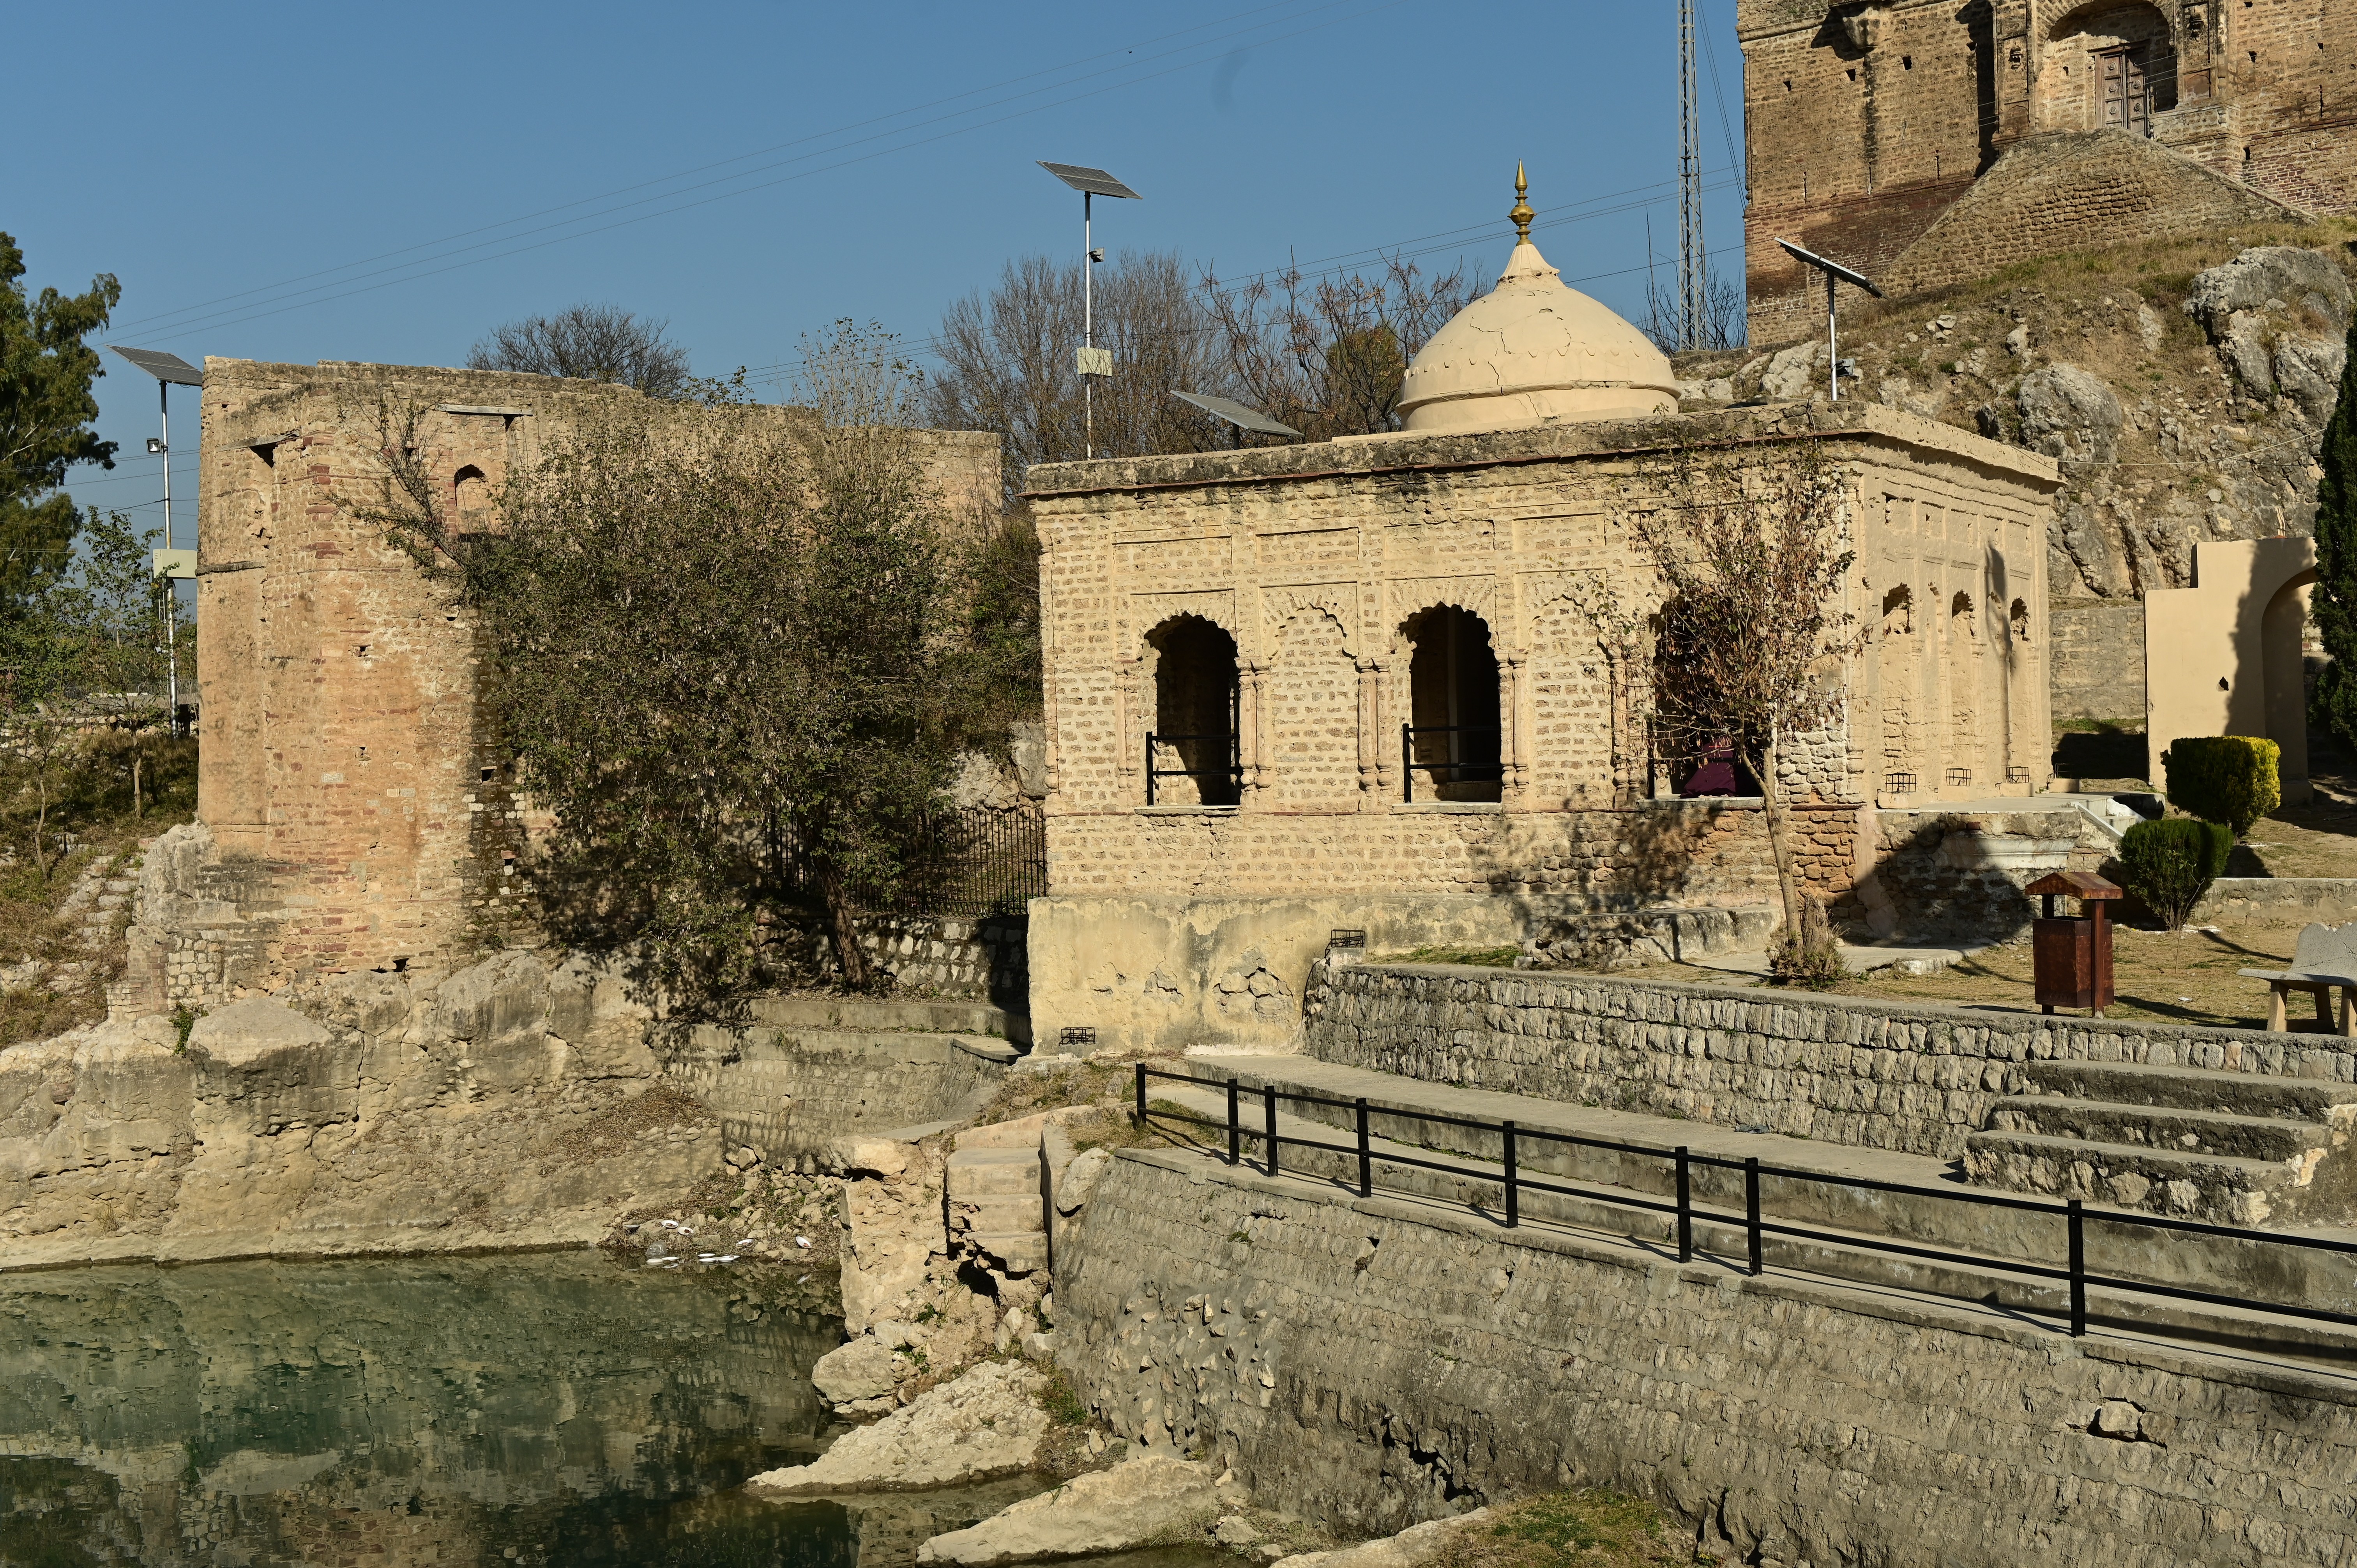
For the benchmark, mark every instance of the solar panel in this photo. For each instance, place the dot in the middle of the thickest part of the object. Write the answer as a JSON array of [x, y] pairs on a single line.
[[1236, 414], [1835, 268], [164, 367], [1095, 181]]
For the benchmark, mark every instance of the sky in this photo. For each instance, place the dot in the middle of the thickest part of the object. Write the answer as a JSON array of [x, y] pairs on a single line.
[[387, 184]]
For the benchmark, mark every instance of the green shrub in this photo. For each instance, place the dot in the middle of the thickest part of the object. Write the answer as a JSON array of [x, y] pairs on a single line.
[[2230, 778], [2170, 865]]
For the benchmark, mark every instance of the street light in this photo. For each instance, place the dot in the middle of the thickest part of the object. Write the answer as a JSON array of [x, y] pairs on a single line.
[[1835, 273], [1090, 183], [170, 370]]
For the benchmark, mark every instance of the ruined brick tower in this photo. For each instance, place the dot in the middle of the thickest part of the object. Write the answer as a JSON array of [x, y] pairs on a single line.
[[1929, 141]]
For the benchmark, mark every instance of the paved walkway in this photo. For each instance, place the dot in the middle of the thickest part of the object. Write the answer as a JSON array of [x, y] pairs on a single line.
[[1839, 1230]]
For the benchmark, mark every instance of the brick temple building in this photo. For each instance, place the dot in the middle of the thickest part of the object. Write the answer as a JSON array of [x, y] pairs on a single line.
[[1928, 141], [1352, 683]]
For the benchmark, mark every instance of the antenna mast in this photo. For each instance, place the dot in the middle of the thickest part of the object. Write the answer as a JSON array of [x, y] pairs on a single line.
[[1692, 276]]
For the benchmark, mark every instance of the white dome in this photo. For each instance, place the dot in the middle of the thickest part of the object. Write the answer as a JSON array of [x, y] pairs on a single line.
[[1531, 352]]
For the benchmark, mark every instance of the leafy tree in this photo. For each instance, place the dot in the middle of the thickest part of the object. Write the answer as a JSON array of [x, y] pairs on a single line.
[[1329, 358], [721, 644], [2335, 600], [1749, 634], [45, 410], [589, 342], [124, 617]]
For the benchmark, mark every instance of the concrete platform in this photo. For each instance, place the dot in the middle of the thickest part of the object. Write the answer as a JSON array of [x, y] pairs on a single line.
[[1848, 1220]]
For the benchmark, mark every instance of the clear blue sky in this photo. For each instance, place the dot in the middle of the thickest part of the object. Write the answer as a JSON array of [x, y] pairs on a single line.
[[386, 183]]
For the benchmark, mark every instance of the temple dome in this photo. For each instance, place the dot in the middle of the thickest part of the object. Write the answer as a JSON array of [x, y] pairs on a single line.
[[1532, 351]]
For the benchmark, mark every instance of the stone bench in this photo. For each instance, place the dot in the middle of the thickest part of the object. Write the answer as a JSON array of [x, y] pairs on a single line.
[[2325, 959]]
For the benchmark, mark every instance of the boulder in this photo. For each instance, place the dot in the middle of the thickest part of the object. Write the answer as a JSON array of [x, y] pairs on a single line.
[[981, 1425], [859, 1371], [1411, 1548], [865, 1154], [1145, 1499], [2307, 370], [2270, 277], [2243, 346], [2071, 415], [1791, 373], [893, 1229]]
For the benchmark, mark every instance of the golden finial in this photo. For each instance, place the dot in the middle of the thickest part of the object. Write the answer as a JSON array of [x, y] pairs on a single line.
[[1522, 214]]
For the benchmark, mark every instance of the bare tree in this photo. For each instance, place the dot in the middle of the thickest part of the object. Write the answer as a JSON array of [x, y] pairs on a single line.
[[1328, 357], [1751, 635], [1008, 362], [1724, 323], [589, 342]]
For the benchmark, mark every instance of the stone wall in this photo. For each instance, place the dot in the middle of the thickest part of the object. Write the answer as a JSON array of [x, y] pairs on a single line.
[[1872, 131], [356, 817], [1883, 1074], [984, 958], [791, 1092], [1371, 1363], [2097, 652], [500, 1106]]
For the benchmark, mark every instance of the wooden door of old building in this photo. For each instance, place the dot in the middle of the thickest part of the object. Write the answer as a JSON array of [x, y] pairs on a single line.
[[2126, 98]]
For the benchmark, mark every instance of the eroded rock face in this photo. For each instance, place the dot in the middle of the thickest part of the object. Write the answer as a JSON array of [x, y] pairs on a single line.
[[496, 1107], [2069, 415], [2269, 277], [1148, 1498], [980, 1426]]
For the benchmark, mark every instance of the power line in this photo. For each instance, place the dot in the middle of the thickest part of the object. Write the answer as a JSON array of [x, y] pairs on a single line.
[[325, 293], [684, 174]]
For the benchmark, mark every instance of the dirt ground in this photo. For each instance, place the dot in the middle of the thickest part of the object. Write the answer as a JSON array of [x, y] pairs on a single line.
[[2185, 977]]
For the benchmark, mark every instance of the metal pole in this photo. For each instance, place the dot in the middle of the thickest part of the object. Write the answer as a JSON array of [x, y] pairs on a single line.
[[2078, 1271], [1088, 321], [1407, 765], [1685, 1210], [1833, 343], [1235, 1132], [1268, 1114], [1366, 1160], [1752, 1207], [1141, 1092], [1513, 1194], [171, 589], [1149, 768]]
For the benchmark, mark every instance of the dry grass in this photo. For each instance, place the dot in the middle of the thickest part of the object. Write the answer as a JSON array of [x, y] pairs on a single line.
[[1595, 1526], [1487, 958], [92, 801], [2318, 839]]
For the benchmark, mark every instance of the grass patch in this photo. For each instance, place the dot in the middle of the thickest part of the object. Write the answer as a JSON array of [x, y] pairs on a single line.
[[1592, 1526], [1487, 958], [91, 809], [1084, 1083]]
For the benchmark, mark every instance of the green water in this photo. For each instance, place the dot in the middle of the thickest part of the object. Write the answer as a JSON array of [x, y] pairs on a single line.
[[542, 1407]]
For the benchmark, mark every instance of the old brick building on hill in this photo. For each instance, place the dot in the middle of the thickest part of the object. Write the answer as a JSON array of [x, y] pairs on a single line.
[[1928, 141]]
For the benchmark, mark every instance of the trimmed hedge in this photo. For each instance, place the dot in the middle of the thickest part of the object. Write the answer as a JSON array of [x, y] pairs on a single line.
[[2230, 778], [2170, 865]]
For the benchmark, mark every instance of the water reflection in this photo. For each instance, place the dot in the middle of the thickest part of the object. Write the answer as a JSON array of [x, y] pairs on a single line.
[[541, 1408]]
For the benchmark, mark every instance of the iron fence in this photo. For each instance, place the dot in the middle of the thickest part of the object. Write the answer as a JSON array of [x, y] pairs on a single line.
[[995, 859], [1460, 772], [1683, 1212]]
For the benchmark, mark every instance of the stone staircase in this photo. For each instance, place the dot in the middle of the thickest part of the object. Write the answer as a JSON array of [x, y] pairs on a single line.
[[2232, 1148], [997, 1207]]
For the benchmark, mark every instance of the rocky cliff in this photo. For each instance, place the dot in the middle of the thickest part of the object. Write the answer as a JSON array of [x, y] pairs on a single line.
[[2183, 386], [513, 1103]]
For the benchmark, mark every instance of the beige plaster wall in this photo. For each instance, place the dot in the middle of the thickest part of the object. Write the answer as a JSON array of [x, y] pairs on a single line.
[[2223, 656]]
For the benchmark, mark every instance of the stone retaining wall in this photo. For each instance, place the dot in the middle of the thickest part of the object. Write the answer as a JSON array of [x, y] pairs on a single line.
[[985, 959], [2277, 901], [791, 1092], [1886, 1074], [1372, 1363]]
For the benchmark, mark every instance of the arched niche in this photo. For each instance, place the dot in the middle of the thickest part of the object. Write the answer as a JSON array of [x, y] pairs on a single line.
[[470, 501], [2111, 63], [1191, 752], [1453, 741]]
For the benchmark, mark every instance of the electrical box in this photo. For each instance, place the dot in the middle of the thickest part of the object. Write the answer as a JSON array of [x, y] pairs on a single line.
[[176, 562], [1096, 362]]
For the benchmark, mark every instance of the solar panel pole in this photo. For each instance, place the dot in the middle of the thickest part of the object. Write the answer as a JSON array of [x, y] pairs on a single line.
[[172, 615], [1088, 324]]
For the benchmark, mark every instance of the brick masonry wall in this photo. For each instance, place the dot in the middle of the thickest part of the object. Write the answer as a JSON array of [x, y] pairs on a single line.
[[1865, 124], [1314, 559], [1878, 1075], [1372, 1363], [360, 818]]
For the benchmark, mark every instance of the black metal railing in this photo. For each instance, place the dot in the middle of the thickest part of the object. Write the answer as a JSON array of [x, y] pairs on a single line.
[[991, 861], [1477, 772], [1683, 1212], [1898, 783], [1233, 772]]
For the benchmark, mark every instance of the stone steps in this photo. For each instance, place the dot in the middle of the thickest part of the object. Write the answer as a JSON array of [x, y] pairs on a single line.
[[2165, 1130], [890, 1013], [2233, 1148], [996, 1207]]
